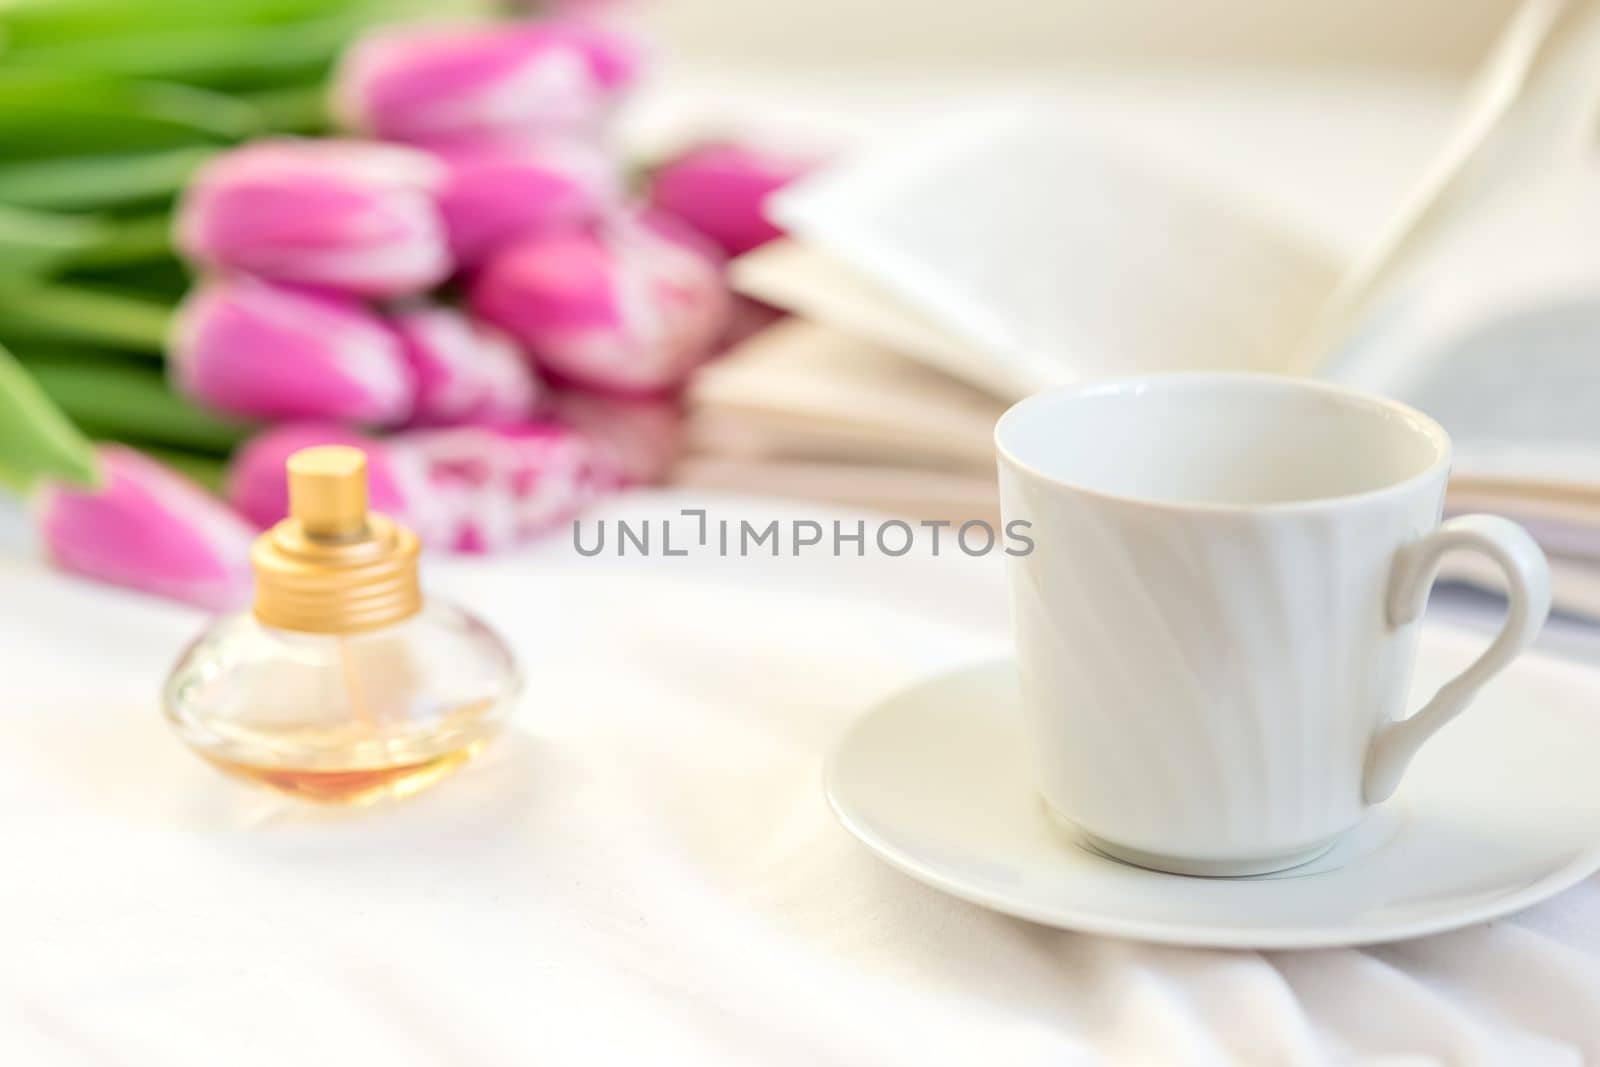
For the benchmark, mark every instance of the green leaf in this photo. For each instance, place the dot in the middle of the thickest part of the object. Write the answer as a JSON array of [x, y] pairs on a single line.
[[64, 313], [99, 181], [36, 440], [230, 56], [41, 354], [299, 109], [133, 403], [162, 281], [121, 242], [34, 242], [27, 23], [45, 113]]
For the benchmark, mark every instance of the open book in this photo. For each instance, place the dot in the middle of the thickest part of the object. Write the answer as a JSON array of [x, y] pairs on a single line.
[[1008, 250]]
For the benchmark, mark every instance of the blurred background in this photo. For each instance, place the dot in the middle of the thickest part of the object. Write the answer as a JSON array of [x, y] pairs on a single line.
[[1426, 35], [530, 255]]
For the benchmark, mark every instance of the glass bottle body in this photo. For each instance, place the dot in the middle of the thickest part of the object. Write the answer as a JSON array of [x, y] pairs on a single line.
[[343, 718]]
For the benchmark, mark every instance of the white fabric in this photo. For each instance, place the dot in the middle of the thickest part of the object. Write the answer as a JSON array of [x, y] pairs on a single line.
[[644, 871]]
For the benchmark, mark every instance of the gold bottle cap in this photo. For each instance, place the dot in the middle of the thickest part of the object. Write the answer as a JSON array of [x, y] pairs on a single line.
[[332, 566]]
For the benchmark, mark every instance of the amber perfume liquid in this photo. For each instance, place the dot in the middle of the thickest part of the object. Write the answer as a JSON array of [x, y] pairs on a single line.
[[356, 786], [347, 719]]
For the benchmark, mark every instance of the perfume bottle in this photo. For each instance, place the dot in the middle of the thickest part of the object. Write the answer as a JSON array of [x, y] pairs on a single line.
[[342, 684]]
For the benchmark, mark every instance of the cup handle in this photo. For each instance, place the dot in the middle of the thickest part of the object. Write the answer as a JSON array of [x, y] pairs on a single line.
[[1528, 603]]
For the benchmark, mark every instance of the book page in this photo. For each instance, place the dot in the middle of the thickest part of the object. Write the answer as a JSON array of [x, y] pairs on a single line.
[[800, 389], [1057, 254], [1482, 310], [809, 283]]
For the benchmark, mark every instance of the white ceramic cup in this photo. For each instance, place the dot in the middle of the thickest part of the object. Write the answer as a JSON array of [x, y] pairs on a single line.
[[1217, 623]]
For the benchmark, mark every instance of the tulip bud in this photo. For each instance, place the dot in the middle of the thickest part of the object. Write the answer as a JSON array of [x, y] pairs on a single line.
[[498, 191], [721, 189], [641, 437], [417, 83], [341, 214], [626, 309], [462, 489], [150, 529], [251, 348], [465, 372]]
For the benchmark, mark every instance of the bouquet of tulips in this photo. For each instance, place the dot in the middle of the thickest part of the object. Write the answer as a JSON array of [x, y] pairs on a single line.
[[457, 282], [106, 108]]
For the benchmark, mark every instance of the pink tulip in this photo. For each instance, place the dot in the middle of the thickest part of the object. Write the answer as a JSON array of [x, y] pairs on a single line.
[[498, 191], [640, 437], [721, 190], [462, 489], [629, 309], [342, 214], [423, 82], [465, 372], [252, 348], [150, 529]]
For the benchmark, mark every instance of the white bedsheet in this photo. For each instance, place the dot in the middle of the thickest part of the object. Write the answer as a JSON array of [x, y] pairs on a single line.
[[644, 871]]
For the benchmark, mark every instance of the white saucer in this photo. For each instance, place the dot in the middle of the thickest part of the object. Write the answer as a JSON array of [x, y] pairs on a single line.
[[1499, 811]]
